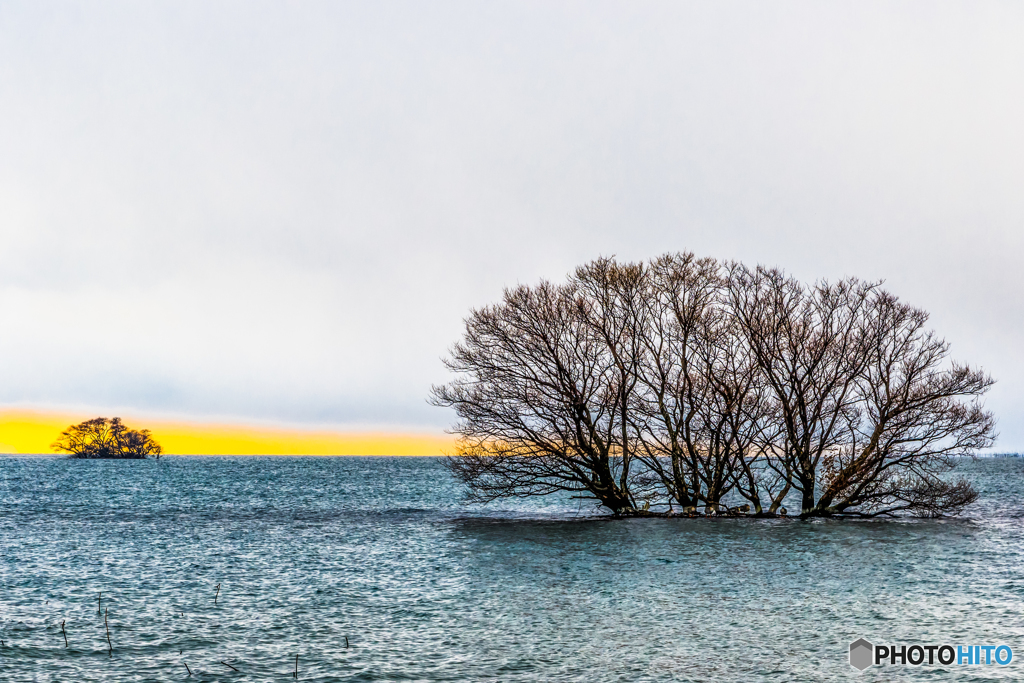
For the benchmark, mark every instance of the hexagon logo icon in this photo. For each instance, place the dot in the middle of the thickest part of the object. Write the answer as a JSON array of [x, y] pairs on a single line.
[[861, 654]]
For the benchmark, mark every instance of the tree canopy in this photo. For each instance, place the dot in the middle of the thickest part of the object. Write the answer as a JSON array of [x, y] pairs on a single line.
[[104, 437], [686, 382]]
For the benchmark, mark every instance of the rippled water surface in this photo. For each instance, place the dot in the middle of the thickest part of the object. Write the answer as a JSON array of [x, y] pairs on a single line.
[[309, 552]]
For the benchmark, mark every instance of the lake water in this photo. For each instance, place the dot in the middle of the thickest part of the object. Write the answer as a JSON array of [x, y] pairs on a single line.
[[309, 551]]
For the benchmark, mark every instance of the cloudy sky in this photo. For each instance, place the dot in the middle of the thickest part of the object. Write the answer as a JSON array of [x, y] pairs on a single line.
[[281, 212]]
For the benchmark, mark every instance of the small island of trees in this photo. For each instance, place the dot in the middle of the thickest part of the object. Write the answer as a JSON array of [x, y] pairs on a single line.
[[678, 385], [104, 437]]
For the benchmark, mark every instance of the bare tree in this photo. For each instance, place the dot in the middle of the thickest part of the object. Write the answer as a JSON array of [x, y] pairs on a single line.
[[916, 412], [682, 381], [539, 400], [611, 304], [807, 344], [679, 291], [703, 410], [869, 417], [103, 437]]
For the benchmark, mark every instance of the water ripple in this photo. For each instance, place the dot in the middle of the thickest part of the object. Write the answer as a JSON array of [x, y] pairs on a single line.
[[311, 551]]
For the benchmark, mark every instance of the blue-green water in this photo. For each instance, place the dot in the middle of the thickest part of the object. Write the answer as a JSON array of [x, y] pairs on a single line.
[[309, 551]]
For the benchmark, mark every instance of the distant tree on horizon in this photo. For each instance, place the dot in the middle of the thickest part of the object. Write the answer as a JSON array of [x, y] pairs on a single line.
[[681, 381], [103, 437]]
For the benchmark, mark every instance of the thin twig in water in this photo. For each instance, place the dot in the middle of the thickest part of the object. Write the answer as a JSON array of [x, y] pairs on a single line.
[[187, 669], [229, 666], [111, 652], [218, 594], [99, 602], [346, 642], [296, 674], [65, 634]]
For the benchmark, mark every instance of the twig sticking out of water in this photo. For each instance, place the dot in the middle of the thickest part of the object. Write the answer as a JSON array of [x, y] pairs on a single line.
[[187, 669], [111, 652], [346, 642], [296, 674], [99, 602], [229, 666], [217, 595], [65, 634]]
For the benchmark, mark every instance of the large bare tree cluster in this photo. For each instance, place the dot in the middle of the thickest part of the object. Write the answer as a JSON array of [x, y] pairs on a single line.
[[687, 385]]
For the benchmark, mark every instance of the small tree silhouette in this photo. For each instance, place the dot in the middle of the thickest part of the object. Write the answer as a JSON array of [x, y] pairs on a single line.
[[103, 437]]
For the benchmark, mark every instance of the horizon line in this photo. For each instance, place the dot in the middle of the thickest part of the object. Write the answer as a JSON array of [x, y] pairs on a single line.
[[29, 431]]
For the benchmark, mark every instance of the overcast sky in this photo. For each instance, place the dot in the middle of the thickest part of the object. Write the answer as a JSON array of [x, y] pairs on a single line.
[[283, 211]]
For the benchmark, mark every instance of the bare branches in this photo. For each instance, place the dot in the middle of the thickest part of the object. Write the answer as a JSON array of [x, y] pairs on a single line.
[[917, 413], [535, 386], [683, 380]]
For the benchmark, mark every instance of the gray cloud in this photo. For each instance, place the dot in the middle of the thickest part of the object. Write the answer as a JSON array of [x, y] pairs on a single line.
[[283, 211]]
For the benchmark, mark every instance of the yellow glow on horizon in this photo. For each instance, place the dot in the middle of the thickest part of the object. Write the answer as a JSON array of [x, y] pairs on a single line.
[[31, 431]]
